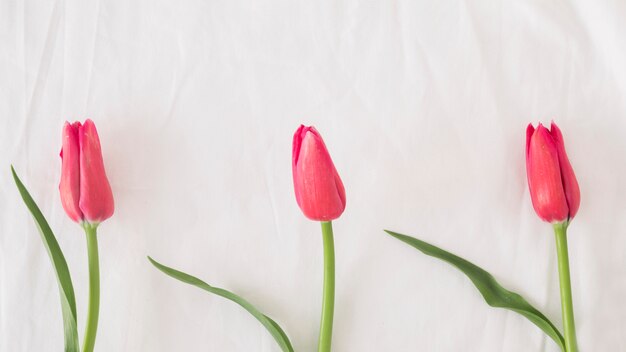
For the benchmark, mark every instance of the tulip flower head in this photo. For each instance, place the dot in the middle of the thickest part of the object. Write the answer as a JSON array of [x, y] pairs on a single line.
[[553, 187], [319, 190], [85, 191]]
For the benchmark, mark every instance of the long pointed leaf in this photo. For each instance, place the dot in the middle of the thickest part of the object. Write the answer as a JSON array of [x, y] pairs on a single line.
[[66, 290], [494, 294], [271, 326]]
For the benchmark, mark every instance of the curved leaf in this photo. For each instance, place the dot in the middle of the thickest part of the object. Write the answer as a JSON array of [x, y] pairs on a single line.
[[494, 294], [274, 329], [66, 290]]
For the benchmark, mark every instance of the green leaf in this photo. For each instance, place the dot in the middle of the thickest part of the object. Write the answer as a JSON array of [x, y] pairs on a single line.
[[274, 329], [66, 290], [490, 289]]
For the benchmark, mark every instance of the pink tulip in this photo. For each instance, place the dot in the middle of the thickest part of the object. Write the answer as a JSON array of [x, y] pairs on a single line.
[[553, 187], [85, 191], [319, 190]]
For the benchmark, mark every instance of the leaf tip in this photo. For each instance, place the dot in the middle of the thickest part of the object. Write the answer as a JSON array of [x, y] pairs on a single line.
[[158, 265], [391, 233], [154, 262], [13, 172]]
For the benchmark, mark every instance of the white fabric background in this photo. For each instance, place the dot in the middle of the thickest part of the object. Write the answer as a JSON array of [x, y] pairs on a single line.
[[423, 105]]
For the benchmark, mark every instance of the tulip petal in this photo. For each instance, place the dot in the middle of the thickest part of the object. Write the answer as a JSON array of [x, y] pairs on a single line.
[[568, 178], [530, 130], [69, 186], [96, 198], [297, 143], [544, 177], [341, 191]]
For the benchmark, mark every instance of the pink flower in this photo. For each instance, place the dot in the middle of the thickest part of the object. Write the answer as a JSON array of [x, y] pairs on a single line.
[[553, 187], [85, 191], [319, 190]]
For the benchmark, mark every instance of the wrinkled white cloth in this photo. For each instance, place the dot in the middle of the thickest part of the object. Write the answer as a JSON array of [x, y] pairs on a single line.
[[423, 106]]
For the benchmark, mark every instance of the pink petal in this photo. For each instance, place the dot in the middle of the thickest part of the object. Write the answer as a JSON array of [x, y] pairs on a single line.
[[96, 198], [568, 178], [544, 177], [69, 187]]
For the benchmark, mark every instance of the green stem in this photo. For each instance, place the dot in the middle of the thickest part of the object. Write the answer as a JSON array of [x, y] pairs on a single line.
[[94, 287], [567, 306], [328, 303]]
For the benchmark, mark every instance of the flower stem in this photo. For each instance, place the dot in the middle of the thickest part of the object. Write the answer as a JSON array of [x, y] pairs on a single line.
[[94, 288], [567, 306], [328, 303]]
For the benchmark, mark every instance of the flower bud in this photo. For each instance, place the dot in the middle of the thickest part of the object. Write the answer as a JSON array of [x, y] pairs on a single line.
[[319, 190], [553, 187], [85, 191]]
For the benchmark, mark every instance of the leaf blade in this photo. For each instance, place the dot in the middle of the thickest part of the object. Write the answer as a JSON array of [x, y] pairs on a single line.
[[64, 280], [494, 294], [273, 328]]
